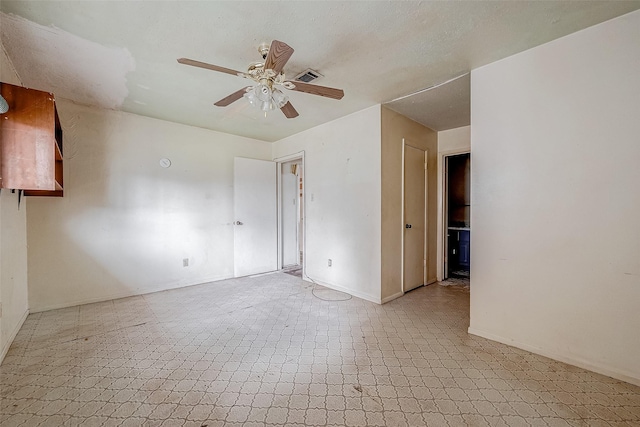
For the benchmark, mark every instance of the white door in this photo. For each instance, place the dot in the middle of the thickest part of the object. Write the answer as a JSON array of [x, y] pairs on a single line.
[[414, 217], [289, 217], [255, 210]]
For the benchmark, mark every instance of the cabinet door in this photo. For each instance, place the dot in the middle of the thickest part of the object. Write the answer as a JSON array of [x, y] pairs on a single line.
[[465, 249], [454, 250], [28, 140]]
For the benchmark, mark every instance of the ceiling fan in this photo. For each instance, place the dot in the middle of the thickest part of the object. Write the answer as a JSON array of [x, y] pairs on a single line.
[[269, 77]]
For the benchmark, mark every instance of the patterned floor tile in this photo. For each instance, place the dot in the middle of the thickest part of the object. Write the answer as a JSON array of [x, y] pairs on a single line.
[[266, 351]]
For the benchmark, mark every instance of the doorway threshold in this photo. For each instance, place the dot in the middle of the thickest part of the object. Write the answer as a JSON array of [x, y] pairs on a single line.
[[294, 270]]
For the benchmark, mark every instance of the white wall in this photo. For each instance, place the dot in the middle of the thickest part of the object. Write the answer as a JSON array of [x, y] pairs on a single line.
[[13, 267], [13, 246], [556, 166], [125, 224], [452, 141], [342, 201]]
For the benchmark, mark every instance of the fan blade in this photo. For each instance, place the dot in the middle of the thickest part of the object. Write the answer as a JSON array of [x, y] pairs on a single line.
[[232, 98], [279, 54], [289, 111], [193, 63], [329, 92]]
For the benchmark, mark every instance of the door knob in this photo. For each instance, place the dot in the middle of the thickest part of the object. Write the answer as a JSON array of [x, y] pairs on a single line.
[[407, 226], [238, 223]]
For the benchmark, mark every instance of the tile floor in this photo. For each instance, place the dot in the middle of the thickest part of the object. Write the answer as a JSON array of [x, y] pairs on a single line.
[[266, 351]]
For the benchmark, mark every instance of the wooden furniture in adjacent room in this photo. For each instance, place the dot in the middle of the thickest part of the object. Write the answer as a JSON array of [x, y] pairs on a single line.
[[459, 246], [30, 143]]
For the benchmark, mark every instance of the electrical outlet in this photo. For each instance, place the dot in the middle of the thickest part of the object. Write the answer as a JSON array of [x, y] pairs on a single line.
[[185, 262], [329, 262]]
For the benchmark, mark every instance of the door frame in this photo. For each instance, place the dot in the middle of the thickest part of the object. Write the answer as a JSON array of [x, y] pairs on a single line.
[[279, 161], [426, 216], [443, 244]]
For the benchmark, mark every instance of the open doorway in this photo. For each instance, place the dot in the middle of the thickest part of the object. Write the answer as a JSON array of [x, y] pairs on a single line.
[[457, 215], [291, 216]]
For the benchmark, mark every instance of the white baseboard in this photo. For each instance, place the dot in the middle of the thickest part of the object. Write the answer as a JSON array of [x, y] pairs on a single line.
[[401, 293], [13, 335], [126, 294], [392, 297], [580, 363], [353, 292]]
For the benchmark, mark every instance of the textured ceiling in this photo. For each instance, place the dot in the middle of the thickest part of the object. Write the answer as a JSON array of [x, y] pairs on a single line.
[[123, 55], [440, 107]]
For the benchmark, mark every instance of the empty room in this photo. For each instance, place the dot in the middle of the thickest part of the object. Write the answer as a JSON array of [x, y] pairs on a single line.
[[319, 213]]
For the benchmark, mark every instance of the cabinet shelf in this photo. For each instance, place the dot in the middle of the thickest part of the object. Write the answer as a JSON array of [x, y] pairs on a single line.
[[58, 153]]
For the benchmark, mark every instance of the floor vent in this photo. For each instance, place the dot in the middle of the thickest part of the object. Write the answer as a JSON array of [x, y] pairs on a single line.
[[308, 75]]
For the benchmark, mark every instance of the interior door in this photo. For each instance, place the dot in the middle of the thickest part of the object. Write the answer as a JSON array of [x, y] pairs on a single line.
[[255, 210], [414, 218], [289, 217]]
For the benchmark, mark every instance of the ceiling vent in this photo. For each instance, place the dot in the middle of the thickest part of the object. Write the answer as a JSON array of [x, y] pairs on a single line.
[[308, 75]]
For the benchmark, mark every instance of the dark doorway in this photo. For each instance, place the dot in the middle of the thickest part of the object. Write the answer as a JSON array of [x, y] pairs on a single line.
[[458, 199]]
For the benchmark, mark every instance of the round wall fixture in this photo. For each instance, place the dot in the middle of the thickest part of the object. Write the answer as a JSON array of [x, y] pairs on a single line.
[[165, 163]]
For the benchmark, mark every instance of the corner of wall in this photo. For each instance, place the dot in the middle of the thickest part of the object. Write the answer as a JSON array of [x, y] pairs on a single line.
[[13, 245], [5, 344]]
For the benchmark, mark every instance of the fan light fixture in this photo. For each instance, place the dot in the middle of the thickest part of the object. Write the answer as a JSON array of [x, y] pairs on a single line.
[[270, 78], [266, 98]]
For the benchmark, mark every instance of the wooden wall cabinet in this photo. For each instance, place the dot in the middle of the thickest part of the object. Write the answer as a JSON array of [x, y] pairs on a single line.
[[30, 143]]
